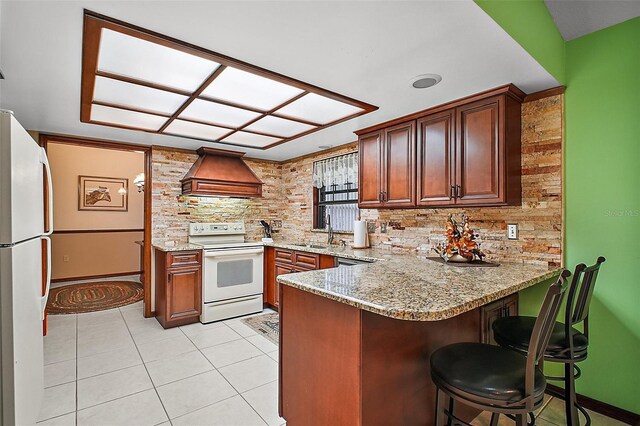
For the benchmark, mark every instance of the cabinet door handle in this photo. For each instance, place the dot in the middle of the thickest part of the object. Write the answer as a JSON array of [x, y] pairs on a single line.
[[452, 191], [458, 191], [380, 196]]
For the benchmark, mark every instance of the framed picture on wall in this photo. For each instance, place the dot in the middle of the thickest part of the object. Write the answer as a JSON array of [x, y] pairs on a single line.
[[103, 193]]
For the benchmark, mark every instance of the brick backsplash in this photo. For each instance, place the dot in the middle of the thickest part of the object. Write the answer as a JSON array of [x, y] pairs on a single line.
[[172, 211], [288, 196]]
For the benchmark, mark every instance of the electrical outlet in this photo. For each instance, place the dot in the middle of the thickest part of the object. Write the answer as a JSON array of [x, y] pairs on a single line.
[[383, 227], [512, 231], [65, 258]]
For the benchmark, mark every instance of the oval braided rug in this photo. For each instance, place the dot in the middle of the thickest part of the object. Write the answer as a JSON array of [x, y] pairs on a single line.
[[94, 296]]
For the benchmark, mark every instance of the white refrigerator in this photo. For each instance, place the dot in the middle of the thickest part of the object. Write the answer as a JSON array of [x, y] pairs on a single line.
[[22, 170]]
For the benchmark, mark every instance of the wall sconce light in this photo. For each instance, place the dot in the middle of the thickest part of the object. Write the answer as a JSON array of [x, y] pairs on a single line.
[[139, 182]]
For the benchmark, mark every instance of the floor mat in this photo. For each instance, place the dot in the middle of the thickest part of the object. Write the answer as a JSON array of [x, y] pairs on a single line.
[[266, 325], [94, 296]]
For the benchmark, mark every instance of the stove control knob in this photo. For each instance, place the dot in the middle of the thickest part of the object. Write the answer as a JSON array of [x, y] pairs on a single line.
[[225, 227]]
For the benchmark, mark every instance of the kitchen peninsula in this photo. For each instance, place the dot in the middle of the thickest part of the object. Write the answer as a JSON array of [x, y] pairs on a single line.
[[355, 341]]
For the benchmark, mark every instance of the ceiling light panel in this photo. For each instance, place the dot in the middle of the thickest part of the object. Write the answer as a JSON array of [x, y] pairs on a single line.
[[143, 60], [118, 92], [250, 90], [279, 126], [250, 139], [318, 109], [123, 117], [215, 113], [195, 130]]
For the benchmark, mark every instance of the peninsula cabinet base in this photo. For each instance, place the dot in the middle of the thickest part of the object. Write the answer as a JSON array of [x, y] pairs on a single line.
[[340, 365]]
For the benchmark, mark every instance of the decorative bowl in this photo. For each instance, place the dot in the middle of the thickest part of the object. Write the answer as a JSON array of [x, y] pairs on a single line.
[[458, 259]]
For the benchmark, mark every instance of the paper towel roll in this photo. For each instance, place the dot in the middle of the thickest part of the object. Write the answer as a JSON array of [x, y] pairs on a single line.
[[360, 236]]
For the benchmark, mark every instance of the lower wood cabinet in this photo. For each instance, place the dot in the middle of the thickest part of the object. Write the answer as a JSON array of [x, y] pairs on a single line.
[[178, 287], [505, 307], [279, 261]]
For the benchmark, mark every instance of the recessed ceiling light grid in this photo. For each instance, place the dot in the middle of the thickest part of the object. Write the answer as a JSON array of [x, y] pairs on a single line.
[[139, 80]]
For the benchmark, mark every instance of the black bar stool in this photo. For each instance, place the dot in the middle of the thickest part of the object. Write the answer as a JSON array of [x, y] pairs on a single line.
[[514, 333], [493, 378]]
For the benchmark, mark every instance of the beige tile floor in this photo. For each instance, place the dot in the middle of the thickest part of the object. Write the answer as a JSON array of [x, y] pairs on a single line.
[[117, 368]]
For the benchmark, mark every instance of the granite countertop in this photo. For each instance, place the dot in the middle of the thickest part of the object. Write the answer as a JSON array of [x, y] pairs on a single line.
[[168, 246], [347, 252], [407, 286]]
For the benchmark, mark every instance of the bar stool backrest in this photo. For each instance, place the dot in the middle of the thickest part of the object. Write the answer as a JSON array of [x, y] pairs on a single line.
[[580, 292], [542, 331]]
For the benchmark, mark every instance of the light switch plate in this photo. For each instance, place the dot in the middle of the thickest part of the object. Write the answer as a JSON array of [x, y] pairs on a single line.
[[512, 231]]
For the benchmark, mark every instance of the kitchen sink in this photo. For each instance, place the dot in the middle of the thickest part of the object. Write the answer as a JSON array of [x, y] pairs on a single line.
[[310, 245]]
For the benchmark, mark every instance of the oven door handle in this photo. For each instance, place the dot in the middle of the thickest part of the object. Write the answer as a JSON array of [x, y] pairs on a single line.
[[228, 253]]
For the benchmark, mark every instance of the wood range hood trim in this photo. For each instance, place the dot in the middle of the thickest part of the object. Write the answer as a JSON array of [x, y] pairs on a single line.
[[221, 173]]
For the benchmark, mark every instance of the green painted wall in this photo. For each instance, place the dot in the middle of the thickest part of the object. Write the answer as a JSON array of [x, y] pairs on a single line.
[[602, 176], [530, 24]]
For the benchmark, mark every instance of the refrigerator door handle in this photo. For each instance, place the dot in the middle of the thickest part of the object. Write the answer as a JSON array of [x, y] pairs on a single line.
[[45, 298], [47, 166]]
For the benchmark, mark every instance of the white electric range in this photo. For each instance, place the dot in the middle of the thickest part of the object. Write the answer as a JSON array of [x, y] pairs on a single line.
[[232, 278]]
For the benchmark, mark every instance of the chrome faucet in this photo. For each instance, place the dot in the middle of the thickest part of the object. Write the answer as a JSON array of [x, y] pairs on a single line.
[[330, 230]]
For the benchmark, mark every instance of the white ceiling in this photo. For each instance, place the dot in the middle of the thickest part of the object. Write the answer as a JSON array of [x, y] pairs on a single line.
[[575, 18], [365, 50]]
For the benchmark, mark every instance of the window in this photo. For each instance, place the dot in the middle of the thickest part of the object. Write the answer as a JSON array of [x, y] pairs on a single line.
[[335, 182]]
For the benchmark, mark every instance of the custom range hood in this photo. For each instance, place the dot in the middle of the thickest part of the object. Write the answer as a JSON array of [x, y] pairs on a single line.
[[221, 173]]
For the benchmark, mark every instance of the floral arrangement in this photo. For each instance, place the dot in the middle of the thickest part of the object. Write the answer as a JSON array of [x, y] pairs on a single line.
[[461, 245]]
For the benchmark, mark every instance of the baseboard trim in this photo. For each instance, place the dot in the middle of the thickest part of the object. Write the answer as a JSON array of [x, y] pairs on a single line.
[[93, 277], [598, 406]]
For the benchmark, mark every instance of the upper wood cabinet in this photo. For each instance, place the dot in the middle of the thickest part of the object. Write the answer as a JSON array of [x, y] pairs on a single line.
[[464, 153], [436, 164], [387, 167], [399, 165], [370, 172]]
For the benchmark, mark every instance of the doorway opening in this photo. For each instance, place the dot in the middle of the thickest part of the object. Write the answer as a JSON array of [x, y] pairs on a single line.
[[101, 252]]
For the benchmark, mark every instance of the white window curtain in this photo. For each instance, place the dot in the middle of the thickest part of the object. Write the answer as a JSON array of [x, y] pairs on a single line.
[[336, 171]]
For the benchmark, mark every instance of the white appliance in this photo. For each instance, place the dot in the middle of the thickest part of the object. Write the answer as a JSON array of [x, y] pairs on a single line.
[[232, 275], [21, 301]]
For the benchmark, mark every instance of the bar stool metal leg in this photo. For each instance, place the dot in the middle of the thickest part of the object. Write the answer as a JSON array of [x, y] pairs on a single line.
[[450, 417], [494, 419], [570, 395], [440, 404]]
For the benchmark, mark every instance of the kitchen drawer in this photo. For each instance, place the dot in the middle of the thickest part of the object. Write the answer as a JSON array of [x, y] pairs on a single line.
[[307, 260], [183, 258], [285, 256]]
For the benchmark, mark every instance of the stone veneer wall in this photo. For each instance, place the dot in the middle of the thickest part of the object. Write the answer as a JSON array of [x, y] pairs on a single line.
[[172, 211], [288, 196], [539, 218]]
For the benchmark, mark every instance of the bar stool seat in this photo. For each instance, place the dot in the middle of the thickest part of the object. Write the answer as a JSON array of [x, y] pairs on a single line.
[[515, 332], [485, 371]]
